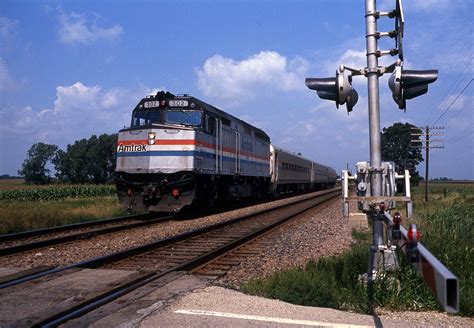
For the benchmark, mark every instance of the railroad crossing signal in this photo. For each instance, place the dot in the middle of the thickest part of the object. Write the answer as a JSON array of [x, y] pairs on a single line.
[[408, 84], [338, 89], [405, 84]]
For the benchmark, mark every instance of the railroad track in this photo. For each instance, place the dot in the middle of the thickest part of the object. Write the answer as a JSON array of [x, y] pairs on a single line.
[[34, 239], [184, 252], [40, 238]]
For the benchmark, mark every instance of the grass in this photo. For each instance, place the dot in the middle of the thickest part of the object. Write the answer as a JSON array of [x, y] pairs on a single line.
[[16, 216], [447, 226], [446, 222], [337, 282], [21, 216]]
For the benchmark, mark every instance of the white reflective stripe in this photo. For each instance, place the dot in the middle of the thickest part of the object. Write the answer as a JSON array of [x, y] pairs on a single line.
[[407, 184], [269, 319]]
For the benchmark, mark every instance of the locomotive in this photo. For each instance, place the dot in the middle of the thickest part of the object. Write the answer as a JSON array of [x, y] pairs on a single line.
[[180, 151]]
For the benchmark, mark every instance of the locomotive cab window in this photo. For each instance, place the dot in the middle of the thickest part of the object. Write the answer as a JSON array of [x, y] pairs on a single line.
[[185, 117], [145, 117]]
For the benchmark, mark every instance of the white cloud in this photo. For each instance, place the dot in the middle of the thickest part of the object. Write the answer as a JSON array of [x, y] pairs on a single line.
[[354, 58], [231, 81], [6, 81], [74, 29], [6, 27], [325, 134], [433, 4], [78, 112]]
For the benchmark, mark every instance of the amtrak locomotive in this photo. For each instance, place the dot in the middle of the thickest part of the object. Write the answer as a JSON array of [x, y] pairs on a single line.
[[181, 151]]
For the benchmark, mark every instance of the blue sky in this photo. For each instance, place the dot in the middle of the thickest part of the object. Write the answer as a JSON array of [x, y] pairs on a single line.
[[70, 69]]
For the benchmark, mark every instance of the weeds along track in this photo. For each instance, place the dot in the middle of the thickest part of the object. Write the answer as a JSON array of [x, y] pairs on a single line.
[[183, 252], [34, 239]]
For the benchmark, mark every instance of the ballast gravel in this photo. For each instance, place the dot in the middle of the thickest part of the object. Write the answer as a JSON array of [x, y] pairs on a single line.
[[321, 231], [82, 250]]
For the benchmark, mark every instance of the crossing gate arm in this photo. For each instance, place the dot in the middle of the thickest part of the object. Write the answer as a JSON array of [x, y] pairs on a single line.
[[442, 282]]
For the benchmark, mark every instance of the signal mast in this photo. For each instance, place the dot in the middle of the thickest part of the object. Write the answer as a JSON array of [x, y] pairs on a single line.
[[376, 186]]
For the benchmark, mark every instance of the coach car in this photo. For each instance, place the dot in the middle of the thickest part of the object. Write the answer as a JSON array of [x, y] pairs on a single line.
[[292, 172]]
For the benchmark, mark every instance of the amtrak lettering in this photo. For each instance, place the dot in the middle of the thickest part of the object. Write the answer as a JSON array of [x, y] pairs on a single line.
[[131, 148]]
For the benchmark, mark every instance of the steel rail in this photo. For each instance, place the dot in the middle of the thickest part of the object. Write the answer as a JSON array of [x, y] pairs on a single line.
[[442, 282], [111, 295], [81, 235], [38, 232], [102, 260]]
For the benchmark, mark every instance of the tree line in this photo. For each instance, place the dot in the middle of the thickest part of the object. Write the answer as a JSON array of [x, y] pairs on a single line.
[[85, 161], [397, 147]]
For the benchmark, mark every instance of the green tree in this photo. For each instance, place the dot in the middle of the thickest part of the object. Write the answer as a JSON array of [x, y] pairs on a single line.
[[397, 147], [87, 160], [34, 166]]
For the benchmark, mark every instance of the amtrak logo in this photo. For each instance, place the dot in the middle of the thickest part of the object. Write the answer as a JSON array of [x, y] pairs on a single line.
[[131, 148]]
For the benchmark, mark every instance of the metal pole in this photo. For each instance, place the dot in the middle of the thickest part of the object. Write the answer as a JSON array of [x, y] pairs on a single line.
[[374, 128], [427, 138]]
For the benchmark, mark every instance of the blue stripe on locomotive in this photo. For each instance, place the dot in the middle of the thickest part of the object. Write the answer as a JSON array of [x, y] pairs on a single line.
[[188, 153]]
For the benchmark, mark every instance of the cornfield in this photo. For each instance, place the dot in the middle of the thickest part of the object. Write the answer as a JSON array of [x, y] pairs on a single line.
[[57, 192]]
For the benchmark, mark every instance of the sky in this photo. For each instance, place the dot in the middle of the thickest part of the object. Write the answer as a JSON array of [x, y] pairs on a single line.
[[70, 69]]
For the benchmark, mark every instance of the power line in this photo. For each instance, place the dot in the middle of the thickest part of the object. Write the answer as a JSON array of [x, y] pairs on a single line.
[[458, 63], [462, 135], [459, 95], [446, 92], [458, 79]]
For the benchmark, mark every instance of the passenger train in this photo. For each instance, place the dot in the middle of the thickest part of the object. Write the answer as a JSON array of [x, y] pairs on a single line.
[[180, 151]]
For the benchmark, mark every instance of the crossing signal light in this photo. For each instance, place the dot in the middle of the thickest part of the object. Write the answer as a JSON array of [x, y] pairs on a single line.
[[413, 235], [338, 89], [397, 220], [408, 84]]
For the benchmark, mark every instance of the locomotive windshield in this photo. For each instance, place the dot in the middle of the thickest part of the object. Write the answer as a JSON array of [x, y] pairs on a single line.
[[186, 117], [145, 117], [173, 116]]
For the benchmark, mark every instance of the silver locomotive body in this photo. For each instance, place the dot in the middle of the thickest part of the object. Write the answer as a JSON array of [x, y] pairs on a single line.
[[180, 150]]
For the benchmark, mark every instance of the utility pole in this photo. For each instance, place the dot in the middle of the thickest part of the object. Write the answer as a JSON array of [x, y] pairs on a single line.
[[427, 164], [427, 147]]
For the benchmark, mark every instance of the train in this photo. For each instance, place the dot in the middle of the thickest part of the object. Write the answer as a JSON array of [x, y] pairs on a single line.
[[182, 152]]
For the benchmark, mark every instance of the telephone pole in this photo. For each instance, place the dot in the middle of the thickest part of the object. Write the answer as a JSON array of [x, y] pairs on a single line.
[[419, 143]]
